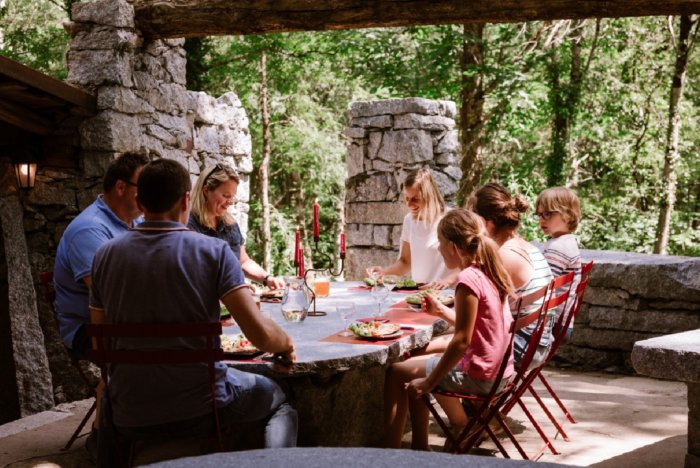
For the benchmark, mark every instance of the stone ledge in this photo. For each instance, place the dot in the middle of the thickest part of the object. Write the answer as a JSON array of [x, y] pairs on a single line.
[[674, 357]]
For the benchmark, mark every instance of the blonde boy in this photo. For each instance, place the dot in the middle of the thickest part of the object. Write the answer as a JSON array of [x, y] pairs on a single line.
[[559, 212]]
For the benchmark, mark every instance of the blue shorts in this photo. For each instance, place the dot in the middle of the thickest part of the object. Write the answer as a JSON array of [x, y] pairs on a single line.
[[459, 382]]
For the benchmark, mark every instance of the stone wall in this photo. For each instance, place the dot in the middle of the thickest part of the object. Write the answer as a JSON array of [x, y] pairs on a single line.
[[142, 105], [386, 140], [631, 297]]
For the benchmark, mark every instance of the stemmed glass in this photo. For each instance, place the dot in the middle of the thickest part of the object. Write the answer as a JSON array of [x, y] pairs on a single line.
[[379, 293], [390, 281], [373, 273], [346, 310]]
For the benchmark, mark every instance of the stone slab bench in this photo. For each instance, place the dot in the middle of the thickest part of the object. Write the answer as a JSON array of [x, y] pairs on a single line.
[[676, 357], [318, 457]]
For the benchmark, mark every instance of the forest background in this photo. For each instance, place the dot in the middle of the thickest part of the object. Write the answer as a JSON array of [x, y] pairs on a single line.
[[610, 108]]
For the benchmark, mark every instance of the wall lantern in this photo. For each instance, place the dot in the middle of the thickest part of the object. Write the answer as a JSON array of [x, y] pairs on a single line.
[[26, 174]]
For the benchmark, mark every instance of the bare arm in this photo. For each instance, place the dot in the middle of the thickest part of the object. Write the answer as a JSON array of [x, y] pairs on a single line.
[[466, 305], [265, 334], [257, 273], [402, 265]]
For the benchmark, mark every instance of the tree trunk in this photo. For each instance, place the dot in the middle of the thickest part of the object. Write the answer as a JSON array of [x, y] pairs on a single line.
[[265, 167], [564, 99], [471, 113], [669, 178]]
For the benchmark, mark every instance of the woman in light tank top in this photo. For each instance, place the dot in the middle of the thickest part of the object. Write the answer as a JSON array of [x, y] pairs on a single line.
[[527, 267]]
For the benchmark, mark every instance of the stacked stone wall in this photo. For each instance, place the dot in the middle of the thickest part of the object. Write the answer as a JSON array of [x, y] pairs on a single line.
[[631, 297], [386, 140], [142, 105]]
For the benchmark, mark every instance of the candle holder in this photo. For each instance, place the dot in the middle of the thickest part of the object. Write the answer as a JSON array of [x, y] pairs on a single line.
[[320, 313]]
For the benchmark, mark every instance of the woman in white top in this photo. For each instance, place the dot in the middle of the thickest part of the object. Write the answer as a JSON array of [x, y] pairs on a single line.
[[419, 253]]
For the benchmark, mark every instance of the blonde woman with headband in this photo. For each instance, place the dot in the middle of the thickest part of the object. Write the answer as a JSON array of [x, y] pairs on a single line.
[[419, 253], [212, 195]]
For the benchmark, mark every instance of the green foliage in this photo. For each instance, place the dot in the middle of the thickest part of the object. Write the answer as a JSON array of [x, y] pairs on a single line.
[[614, 148], [31, 32]]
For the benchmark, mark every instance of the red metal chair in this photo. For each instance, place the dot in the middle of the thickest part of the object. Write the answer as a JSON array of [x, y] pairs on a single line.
[[559, 289], [46, 281], [481, 409], [106, 355], [562, 326]]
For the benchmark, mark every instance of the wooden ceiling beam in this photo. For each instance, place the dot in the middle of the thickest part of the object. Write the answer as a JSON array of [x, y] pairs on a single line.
[[199, 18], [24, 119]]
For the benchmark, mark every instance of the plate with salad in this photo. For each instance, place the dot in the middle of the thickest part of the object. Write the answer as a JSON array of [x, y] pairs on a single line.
[[376, 330], [239, 347], [414, 300]]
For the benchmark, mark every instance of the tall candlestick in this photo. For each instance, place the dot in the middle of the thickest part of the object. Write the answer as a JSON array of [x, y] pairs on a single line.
[[297, 243], [301, 262], [342, 245], [316, 231]]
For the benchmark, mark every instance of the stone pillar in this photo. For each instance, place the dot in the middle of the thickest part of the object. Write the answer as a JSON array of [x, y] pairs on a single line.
[[386, 140], [31, 390], [143, 104]]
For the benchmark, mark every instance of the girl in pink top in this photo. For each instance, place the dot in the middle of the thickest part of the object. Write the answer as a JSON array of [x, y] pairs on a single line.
[[482, 320]]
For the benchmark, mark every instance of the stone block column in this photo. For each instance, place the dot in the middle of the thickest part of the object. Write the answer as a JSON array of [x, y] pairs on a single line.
[[387, 139]]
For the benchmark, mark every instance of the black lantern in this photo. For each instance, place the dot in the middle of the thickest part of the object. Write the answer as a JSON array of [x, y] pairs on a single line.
[[26, 174]]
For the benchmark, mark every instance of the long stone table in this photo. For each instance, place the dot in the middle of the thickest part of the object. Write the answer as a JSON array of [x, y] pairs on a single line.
[[337, 388], [676, 357]]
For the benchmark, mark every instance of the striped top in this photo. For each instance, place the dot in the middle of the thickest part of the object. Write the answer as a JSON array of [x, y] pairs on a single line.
[[541, 276], [563, 256]]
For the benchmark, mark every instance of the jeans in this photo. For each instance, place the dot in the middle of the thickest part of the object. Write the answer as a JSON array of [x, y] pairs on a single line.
[[258, 398]]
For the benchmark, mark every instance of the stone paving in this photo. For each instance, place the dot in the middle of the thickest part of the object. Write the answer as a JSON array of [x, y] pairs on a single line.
[[623, 421]]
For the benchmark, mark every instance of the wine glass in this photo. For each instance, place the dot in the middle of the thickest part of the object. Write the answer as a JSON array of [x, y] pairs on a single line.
[[379, 292], [373, 273], [346, 310], [390, 281]]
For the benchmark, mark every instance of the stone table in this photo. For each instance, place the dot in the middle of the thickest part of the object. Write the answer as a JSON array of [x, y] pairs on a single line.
[[337, 388], [676, 357], [346, 457]]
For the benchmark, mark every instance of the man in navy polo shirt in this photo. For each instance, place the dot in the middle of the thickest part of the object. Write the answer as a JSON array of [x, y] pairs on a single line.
[[111, 215], [161, 271]]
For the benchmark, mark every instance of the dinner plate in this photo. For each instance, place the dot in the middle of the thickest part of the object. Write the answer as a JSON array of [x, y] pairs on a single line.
[[383, 337], [243, 354], [409, 288], [391, 330]]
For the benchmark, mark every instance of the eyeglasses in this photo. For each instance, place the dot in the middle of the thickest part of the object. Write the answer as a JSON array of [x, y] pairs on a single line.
[[546, 215], [128, 182], [216, 168]]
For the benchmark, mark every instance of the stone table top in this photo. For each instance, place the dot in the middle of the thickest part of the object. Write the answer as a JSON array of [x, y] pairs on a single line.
[[318, 457], [673, 357], [316, 356]]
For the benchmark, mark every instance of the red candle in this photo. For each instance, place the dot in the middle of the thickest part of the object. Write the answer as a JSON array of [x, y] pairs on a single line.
[[301, 262], [342, 244], [297, 243], [316, 232]]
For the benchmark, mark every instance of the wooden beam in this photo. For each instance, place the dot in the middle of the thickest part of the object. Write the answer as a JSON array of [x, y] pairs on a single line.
[[24, 119], [198, 18], [37, 80]]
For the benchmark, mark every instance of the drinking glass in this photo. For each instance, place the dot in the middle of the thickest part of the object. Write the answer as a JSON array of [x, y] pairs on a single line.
[[379, 293], [322, 286], [373, 273], [390, 281], [346, 310]]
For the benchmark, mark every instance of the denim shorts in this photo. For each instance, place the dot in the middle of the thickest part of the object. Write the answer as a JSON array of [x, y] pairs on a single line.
[[458, 381]]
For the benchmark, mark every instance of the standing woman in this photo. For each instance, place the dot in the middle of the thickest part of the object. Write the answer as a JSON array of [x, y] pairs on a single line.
[[419, 242], [527, 267], [213, 193]]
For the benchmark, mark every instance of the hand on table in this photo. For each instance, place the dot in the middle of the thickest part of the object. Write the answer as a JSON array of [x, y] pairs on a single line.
[[274, 282], [284, 362], [418, 387], [439, 284]]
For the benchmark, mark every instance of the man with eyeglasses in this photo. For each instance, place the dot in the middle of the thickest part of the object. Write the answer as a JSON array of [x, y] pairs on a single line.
[[110, 215]]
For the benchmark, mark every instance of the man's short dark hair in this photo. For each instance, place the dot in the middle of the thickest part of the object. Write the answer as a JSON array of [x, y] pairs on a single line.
[[162, 183], [123, 168]]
